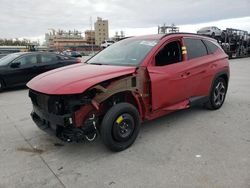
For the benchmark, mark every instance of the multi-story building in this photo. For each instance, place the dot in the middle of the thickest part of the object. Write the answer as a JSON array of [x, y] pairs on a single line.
[[59, 40], [101, 31], [90, 36], [63, 43]]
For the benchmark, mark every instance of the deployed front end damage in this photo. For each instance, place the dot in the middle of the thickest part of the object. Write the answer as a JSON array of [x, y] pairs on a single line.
[[77, 117], [57, 114]]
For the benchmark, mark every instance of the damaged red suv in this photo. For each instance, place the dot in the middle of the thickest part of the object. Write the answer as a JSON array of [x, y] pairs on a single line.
[[134, 80]]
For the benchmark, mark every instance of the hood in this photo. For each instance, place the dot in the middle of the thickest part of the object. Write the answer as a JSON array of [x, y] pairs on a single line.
[[76, 79]]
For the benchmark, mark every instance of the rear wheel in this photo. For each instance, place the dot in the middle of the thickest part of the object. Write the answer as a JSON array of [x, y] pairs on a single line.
[[217, 95], [120, 126]]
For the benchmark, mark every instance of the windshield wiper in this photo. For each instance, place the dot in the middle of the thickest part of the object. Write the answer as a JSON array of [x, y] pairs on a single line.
[[95, 63]]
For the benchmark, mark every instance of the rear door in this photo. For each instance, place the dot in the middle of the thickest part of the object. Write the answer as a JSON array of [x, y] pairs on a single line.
[[49, 61], [198, 65]]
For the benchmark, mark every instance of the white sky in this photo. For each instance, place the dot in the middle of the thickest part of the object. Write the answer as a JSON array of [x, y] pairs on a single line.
[[32, 18], [237, 23]]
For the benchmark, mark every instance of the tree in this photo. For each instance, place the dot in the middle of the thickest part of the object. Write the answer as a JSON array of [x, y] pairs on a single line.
[[14, 42]]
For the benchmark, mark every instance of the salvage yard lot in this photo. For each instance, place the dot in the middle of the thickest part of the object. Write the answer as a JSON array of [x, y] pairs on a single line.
[[189, 148]]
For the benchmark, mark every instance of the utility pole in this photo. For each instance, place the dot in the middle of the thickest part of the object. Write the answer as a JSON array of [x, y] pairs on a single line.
[[91, 33]]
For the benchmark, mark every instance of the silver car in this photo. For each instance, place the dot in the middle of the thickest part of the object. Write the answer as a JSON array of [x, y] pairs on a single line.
[[210, 31]]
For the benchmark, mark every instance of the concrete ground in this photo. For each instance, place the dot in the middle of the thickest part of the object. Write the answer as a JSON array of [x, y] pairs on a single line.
[[193, 148]]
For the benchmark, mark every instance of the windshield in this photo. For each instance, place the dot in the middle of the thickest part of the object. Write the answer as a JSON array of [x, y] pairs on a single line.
[[7, 59], [129, 52]]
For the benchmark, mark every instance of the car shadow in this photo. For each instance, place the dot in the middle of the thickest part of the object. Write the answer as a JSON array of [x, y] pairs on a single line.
[[13, 89], [96, 148]]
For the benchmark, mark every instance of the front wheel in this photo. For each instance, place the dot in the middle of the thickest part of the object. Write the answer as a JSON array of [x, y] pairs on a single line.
[[217, 95], [120, 126]]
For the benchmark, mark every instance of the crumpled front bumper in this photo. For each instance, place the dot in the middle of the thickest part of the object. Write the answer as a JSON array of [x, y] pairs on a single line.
[[61, 126], [58, 125]]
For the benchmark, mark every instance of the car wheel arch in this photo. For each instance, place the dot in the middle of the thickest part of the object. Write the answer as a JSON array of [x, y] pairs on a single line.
[[125, 96], [224, 75], [125, 87]]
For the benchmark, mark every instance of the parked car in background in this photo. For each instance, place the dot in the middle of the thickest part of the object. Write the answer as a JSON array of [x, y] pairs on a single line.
[[18, 68], [134, 80], [107, 43], [210, 31], [2, 55], [72, 53]]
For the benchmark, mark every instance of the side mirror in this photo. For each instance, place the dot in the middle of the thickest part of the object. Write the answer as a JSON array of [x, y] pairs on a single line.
[[15, 65]]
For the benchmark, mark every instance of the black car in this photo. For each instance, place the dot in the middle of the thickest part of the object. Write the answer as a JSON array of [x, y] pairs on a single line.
[[72, 54], [18, 68]]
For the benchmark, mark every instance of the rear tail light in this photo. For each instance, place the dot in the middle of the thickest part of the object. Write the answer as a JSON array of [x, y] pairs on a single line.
[[78, 60]]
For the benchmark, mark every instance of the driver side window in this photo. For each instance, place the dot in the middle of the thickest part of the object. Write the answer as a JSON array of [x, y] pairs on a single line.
[[170, 54], [26, 60]]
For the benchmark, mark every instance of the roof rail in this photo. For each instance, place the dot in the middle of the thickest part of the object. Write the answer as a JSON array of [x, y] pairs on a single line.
[[181, 33]]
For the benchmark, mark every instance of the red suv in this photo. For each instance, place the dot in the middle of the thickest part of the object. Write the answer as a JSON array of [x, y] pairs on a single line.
[[134, 80]]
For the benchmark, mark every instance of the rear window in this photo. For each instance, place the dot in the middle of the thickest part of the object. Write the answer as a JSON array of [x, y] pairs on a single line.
[[211, 47], [48, 58], [195, 48]]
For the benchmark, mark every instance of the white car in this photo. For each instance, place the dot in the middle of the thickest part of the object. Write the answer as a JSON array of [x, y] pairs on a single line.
[[107, 43], [210, 31]]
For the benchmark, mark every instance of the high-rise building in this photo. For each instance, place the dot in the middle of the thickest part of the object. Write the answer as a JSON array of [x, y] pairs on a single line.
[[101, 31]]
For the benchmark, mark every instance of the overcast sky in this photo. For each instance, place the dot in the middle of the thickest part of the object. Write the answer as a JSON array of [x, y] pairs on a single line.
[[32, 18]]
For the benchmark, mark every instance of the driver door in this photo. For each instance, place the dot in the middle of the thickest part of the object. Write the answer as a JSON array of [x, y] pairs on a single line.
[[23, 70], [169, 77]]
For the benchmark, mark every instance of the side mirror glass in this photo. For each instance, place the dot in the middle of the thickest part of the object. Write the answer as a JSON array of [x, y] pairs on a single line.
[[15, 65]]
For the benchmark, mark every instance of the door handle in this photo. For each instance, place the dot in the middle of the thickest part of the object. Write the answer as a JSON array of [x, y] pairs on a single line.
[[213, 66], [186, 74]]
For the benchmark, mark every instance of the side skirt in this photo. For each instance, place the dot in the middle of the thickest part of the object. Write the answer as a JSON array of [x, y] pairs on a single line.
[[194, 101]]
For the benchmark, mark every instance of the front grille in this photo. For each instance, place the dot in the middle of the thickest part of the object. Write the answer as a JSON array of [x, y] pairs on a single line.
[[58, 104], [39, 100], [48, 103]]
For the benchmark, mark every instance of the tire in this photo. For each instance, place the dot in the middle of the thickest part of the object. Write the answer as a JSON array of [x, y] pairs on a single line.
[[213, 35], [217, 94], [120, 127], [1, 85]]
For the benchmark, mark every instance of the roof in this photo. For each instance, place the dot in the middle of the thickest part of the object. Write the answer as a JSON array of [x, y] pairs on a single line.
[[162, 36], [36, 52], [152, 37]]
